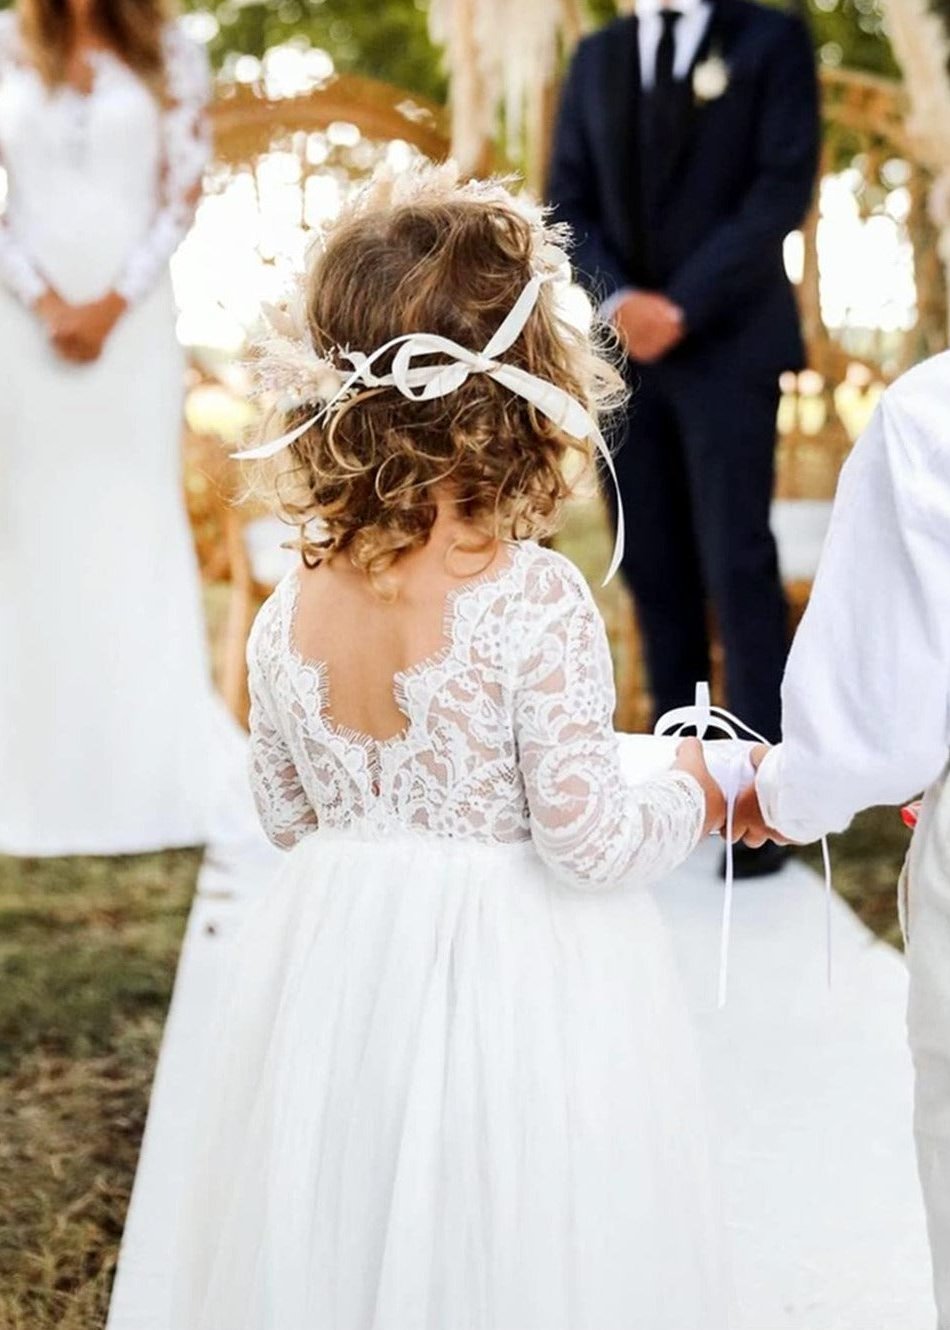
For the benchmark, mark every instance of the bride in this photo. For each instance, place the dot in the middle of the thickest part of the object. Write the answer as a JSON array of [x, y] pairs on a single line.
[[108, 725]]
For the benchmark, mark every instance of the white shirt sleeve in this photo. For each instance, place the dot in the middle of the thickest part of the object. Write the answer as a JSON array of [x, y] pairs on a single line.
[[866, 697], [186, 150], [608, 308]]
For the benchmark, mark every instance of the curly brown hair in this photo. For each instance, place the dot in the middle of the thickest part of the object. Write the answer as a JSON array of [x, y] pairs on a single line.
[[436, 257]]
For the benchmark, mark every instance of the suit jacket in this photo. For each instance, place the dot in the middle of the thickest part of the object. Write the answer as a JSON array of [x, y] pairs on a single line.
[[738, 177]]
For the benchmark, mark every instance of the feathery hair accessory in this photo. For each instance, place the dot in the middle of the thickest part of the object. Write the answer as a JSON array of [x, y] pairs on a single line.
[[299, 378]]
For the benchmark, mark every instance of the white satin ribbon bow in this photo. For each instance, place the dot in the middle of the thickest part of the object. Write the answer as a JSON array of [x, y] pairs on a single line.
[[423, 383]]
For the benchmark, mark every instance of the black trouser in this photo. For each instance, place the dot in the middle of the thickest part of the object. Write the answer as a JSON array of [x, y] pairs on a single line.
[[696, 472]]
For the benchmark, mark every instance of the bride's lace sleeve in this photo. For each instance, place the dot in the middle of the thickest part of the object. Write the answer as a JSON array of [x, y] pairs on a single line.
[[186, 150], [18, 273], [285, 812], [591, 828]]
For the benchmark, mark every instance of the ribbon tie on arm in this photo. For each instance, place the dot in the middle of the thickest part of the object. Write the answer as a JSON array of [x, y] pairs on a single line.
[[424, 383], [729, 762]]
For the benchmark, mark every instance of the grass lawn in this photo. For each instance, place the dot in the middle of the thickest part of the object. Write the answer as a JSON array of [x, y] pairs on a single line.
[[87, 953]]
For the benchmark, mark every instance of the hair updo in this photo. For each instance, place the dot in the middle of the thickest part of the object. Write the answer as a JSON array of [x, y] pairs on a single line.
[[425, 254]]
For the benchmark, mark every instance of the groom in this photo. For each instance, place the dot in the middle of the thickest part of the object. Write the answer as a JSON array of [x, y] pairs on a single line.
[[686, 150], [866, 718]]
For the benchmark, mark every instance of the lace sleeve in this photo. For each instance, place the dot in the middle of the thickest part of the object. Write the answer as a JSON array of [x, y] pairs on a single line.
[[18, 273], [285, 812], [186, 150], [588, 825]]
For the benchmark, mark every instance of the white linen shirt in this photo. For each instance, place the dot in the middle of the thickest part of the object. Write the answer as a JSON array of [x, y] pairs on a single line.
[[866, 696]]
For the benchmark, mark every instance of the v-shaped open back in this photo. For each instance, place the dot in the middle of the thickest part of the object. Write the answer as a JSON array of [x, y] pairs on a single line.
[[340, 685]]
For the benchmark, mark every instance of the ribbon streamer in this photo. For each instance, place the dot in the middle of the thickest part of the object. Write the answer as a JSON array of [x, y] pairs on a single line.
[[423, 383], [703, 716]]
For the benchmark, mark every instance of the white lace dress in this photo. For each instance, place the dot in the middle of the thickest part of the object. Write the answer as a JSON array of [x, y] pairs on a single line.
[[455, 1090], [107, 721]]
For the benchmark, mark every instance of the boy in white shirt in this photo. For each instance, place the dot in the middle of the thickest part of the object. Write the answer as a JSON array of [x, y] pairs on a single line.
[[866, 718]]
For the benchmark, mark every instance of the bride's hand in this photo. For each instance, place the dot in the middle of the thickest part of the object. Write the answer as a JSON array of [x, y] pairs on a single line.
[[79, 332], [50, 308], [62, 322], [689, 757]]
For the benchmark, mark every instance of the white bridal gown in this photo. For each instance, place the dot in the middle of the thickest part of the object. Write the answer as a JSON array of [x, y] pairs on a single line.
[[110, 740], [454, 1087]]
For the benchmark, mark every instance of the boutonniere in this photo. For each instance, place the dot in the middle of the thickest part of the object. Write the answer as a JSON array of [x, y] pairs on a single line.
[[710, 79]]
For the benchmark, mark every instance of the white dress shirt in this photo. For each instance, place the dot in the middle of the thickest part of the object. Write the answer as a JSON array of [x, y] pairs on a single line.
[[688, 35], [866, 697]]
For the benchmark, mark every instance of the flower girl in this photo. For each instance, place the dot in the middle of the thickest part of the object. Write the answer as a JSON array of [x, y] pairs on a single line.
[[455, 1087]]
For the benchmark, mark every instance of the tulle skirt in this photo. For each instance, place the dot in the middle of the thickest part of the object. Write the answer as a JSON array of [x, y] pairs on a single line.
[[448, 1093]]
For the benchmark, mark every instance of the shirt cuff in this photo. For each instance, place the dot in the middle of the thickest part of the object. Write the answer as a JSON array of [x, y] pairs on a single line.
[[608, 308], [768, 787]]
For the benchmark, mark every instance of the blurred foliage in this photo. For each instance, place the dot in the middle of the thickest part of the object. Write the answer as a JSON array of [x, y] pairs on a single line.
[[846, 32], [388, 39], [384, 39], [851, 33]]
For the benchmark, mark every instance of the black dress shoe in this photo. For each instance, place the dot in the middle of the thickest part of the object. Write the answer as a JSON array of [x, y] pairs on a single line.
[[748, 863]]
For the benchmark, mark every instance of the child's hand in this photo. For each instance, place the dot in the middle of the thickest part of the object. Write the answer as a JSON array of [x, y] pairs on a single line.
[[748, 824], [689, 757]]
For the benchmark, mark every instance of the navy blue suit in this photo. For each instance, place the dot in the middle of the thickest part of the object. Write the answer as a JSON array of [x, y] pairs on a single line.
[[704, 223]]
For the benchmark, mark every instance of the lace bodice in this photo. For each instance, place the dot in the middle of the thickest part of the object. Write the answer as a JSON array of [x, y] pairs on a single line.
[[101, 186], [508, 735]]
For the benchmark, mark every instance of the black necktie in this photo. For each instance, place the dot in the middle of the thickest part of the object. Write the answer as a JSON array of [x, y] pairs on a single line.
[[662, 113], [666, 54]]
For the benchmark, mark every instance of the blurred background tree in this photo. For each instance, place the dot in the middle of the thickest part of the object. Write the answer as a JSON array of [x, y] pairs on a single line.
[[388, 39], [385, 39]]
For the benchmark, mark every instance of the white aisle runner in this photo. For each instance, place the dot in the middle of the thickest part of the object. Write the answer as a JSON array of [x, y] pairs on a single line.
[[813, 1098]]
